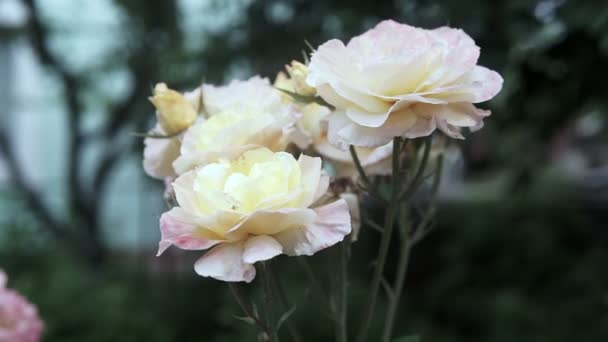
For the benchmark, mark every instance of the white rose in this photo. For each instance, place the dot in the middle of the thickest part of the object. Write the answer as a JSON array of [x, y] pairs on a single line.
[[398, 80], [251, 209], [240, 116]]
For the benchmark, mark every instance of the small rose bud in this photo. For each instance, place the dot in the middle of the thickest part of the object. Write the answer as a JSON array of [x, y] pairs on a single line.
[[298, 73], [175, 112]]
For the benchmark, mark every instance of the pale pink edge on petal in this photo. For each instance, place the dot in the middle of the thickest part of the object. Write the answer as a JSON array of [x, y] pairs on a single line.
[[333, 223], [225, 262], [176, 229], [485, 83]]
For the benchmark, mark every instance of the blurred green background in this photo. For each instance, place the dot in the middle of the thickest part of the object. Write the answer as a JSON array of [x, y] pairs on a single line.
[[521, 247]]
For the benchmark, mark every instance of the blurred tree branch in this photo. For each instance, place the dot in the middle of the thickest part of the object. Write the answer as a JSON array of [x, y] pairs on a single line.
[[82, 225]]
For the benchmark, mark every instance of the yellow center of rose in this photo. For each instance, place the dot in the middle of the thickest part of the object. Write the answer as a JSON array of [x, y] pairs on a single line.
[[259, 179]]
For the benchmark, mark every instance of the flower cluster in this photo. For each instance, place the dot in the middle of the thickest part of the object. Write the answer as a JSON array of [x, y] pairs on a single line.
[[19, 321], [222, 150]]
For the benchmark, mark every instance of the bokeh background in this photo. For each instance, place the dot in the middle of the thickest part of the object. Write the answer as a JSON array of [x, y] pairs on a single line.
[[521, 247]]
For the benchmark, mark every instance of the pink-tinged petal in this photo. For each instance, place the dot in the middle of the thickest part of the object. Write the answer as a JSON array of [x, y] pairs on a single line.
[[19, 319], [260, 248], [423, 127], [450, 130], [460, 115], [180, 228], [332, 224], [352, 200], [390, 38], [225, 262], [486, 83], [269, 222], [462, 54], [479, 85]]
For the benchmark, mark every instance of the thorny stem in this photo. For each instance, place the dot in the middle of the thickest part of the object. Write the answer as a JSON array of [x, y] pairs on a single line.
[[341, 322], [389, 221], [408, 191], [402, 267], [245, 308], [369, 185], [316, 284], [358, 165], [284, 306], [268, 302], [407, 245]]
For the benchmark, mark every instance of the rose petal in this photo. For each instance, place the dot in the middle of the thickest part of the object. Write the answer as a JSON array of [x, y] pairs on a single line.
[[352, 201], [310, 168], [260, 248], [269, 222], [159, 155], [331, 226], [225, 262], [180, 228]]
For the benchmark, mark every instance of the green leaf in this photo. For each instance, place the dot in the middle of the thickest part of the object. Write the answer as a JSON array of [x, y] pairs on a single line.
[[305, 99], [285, 316], [245, 319]]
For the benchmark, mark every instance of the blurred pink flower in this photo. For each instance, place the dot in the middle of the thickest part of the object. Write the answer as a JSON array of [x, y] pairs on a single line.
[[19, 321], [399, 80]]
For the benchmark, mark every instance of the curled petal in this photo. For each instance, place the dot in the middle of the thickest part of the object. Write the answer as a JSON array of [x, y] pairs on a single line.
[[312, 181], [269, 222], [330, 227], [355, 213], [180, 228], [225, 262], [260, 248]]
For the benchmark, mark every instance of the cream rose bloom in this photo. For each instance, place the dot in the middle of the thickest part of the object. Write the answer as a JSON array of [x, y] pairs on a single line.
[[240, 116], [252, 209], [309, 126], [398, 80], [311, 130], [174, 113]]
